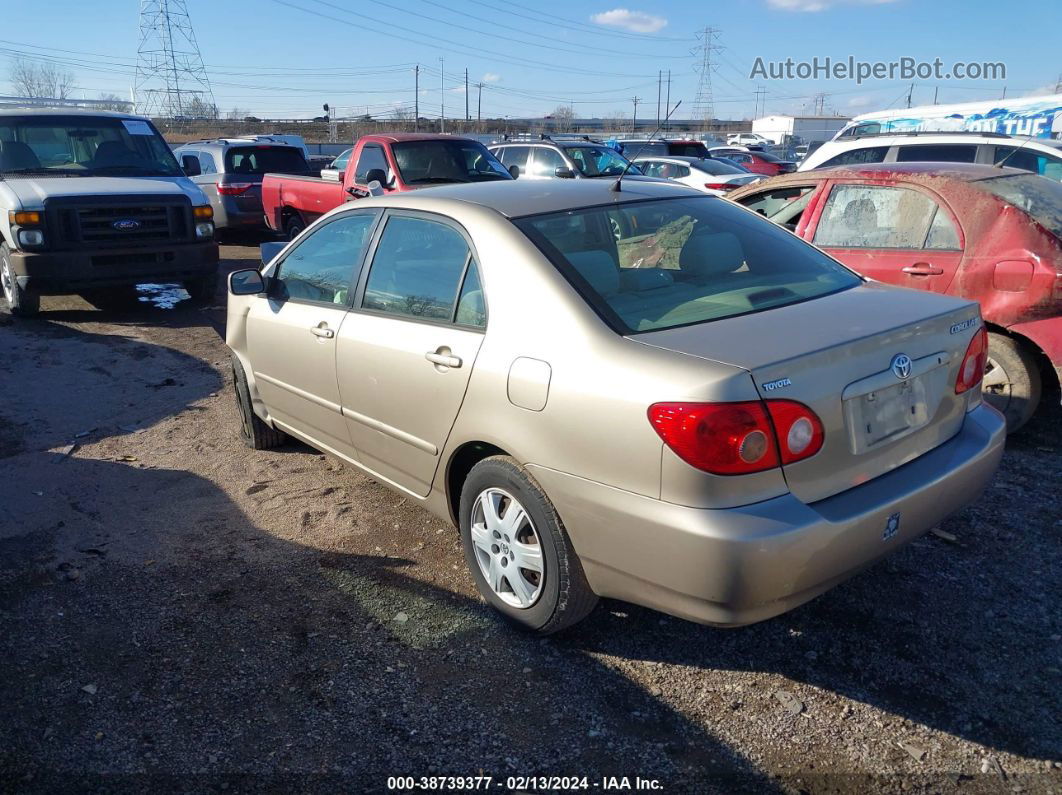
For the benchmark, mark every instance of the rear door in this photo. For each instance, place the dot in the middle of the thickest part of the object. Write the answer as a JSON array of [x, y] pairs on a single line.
[[291, 331], [899, 234], [407, 349]]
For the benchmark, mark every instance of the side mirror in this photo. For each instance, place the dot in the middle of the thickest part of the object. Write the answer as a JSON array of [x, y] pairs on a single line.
[[515, 171], [564, 173], [376, 175], [246, 282], [268, 251], [190, 166]]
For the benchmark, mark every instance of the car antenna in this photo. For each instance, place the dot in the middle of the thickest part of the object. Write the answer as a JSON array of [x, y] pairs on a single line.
[[630, 161], [1013, 152]]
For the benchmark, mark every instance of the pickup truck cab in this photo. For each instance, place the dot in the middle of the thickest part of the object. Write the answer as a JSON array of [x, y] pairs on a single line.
[[399, 162], [92, 199]]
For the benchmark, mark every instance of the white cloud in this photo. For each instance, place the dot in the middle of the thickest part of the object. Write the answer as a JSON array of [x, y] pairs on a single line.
[[490, 77], [634, 21], [820, 5]]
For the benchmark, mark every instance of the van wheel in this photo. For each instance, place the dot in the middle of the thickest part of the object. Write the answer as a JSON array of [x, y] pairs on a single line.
[[253, 432], [202, 290], [1012, 380], [19, 300], [518, 551], [293, 227]]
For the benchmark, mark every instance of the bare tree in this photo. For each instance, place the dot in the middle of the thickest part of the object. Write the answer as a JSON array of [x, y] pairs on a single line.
[[109, 101], [198, 108], [562, 118], [403, 113], [40, 80], [236, 114], [616, 121]]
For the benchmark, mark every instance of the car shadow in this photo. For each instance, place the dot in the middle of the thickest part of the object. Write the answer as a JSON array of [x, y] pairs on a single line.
[[151, 632]]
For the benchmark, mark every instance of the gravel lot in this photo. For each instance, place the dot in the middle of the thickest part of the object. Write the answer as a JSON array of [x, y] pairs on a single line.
[[181, 613]]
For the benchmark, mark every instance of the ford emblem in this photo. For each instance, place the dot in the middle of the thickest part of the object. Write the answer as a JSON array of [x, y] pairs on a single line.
[[901, 366], [126, 224]]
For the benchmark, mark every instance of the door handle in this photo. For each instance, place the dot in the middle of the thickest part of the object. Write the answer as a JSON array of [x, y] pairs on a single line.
[[923, 269], [443, 359], [322, 331]]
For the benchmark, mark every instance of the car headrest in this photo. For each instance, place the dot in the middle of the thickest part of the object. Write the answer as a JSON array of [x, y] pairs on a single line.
[[114, 153], [597, 268], [712, 254], [15, 155]]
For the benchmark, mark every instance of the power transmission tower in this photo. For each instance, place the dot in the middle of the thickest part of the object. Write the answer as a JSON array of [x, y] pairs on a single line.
[[170, 77], [702, 105]]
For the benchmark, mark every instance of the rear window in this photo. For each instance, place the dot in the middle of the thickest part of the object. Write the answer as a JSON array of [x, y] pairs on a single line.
[[659, 264], [687, 149], [265, 160], [1040, 197], [718, 167], [947, 153]]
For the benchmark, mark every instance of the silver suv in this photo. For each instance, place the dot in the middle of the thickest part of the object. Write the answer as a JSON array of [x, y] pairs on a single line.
[[230, 171], [560, 157]]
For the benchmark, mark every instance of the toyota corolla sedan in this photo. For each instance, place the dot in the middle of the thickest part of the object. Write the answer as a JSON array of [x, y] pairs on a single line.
[[648, 394]]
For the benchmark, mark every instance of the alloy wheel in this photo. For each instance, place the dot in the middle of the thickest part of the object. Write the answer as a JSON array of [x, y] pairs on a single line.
[[7, 281], [996, 385], [507, 548]]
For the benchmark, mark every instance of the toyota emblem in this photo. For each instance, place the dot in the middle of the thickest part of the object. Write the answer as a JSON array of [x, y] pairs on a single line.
[[901, 366]]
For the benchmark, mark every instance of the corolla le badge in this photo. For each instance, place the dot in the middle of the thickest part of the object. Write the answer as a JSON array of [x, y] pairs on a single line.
[[901, 366], [126, 224]]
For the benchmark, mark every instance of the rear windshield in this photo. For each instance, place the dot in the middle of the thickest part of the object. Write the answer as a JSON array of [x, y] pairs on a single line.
[[687, 149], [673, 262], [265, 160], [717, 167], [1039, 196]]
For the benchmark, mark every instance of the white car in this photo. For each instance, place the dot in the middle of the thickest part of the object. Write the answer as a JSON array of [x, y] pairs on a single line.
[[335, 169], [749, 139], [1028, 154], [707, 175]]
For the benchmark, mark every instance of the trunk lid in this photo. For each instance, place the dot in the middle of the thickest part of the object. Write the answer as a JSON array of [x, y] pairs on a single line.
[[835, 354]]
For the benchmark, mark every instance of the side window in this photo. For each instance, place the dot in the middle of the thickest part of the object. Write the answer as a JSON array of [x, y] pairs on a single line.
[[1030, 160], [322, 266], [340, 163], [207, 164], [942, 232], [770, 202], [546, 162], [471, 308], [948, 153], [682, 171], [650, 168], [516, 156], [870, 216], [417, 269], [190, 161], [372, 157], [868, 154]]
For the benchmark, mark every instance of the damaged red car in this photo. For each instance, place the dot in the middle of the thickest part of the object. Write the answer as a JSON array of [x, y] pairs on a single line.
[[993, 234]]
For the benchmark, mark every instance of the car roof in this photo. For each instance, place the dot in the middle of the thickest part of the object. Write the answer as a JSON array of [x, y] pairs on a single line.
[[395, 138], [517, 198], [958, 137], [60, 111], [964, 172]]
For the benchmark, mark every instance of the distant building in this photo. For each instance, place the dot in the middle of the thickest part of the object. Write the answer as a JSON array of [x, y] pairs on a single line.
[[809, 129]]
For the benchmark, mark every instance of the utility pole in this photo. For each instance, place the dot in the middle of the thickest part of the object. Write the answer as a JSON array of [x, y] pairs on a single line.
[[667, 104], [761, 97], [416, 98], [659, 79], [1058, 84], [909, 92], [479, 105], [634, 121], [467, 117], [442, 96], [936, 89], [1002, 97]]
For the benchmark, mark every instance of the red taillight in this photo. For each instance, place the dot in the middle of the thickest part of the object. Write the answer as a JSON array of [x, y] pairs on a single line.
[[798, 430], [738, 438], [719, 186], [972, 369], [234, 188]]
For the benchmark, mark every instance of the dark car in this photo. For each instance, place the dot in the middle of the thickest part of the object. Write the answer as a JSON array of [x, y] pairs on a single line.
[[663, 147], [230, 171], [970, 230]]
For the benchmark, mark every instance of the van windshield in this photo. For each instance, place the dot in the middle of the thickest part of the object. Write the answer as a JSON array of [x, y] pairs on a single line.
[[86, 146], [653, 265]]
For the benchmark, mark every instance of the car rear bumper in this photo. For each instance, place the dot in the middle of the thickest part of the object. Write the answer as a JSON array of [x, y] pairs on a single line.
[[742, 565], [68, 271], [227, 215]]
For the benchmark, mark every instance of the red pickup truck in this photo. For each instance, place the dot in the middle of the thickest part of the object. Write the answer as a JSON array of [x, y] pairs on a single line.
[[399, 162]]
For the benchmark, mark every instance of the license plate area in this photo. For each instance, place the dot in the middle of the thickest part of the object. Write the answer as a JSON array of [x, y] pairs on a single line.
[[881, 409]]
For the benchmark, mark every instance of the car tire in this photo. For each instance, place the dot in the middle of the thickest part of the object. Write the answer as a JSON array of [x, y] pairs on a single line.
[[203, 289], [254, 433], [559, 595], [293, 227], [1012, 382], [20, 301]]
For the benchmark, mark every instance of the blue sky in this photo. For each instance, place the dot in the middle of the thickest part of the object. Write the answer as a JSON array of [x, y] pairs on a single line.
[[284, 58]]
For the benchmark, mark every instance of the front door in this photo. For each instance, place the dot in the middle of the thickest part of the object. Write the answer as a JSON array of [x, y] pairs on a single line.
[[406, 351], [292, 331], [896, 234]]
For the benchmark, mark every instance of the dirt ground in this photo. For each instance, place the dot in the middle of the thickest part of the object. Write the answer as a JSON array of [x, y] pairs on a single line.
[[180, 613]]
